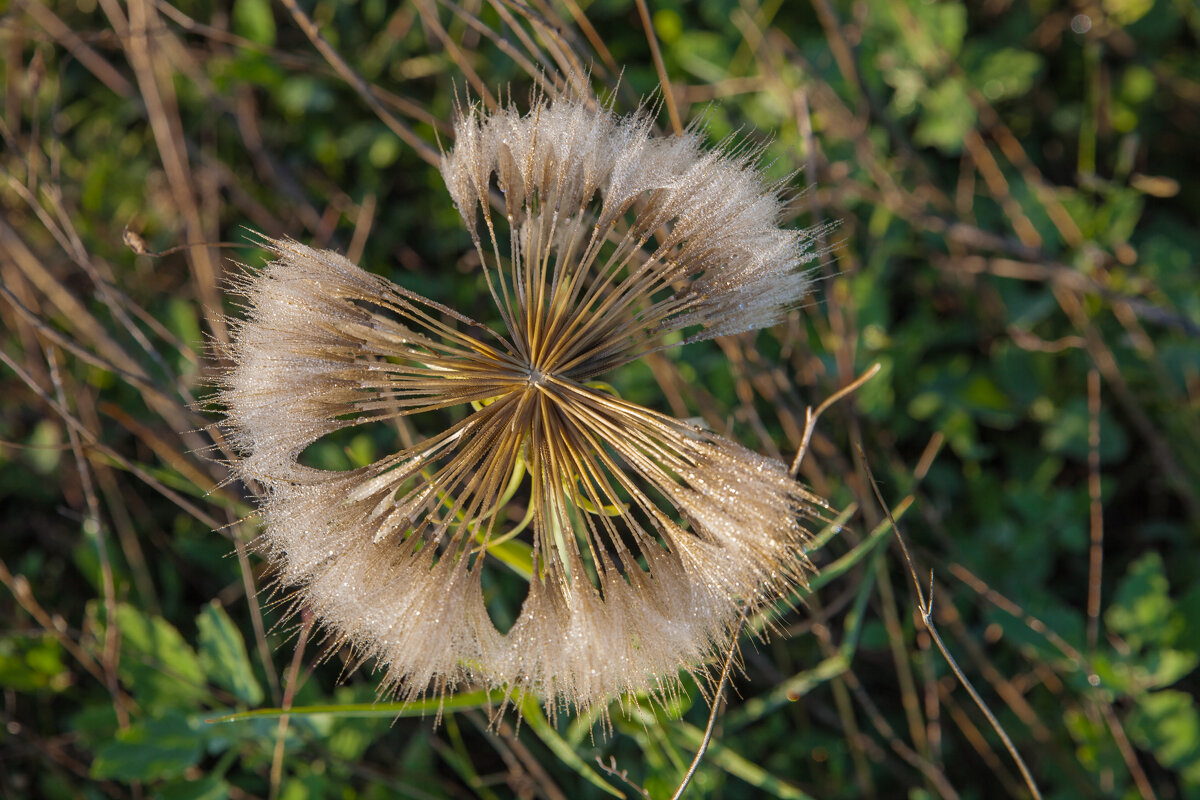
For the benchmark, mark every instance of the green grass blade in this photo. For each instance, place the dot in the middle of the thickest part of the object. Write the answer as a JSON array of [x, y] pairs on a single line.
[[831, 530], [788, 691], [740, 767], [415, 708], [514, 554], [537, 722]]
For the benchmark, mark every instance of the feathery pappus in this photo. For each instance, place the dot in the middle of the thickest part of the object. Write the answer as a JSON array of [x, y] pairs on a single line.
[[600, 243]]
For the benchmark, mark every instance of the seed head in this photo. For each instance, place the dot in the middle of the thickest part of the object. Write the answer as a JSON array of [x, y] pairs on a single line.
[[600, 243]]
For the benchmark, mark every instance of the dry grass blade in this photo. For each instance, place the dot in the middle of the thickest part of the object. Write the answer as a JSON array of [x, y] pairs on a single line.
[[358, 83], [810, 416], [663, 79], [1096, 511], [925, 606], [289, 693], [93, 442], [94, 525], [155, 81]]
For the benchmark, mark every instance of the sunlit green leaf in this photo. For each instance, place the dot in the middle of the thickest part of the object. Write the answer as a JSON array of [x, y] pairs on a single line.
[[1168, 724], [223, 655], [32, 663], [1006, 73], [157, 663], [1141, 610], [254, 20]]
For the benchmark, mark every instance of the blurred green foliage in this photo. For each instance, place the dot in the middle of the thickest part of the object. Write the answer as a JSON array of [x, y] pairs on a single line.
[[1015, 191]]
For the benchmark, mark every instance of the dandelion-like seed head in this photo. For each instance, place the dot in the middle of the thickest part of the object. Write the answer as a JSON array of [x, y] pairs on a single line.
[[600, 243]]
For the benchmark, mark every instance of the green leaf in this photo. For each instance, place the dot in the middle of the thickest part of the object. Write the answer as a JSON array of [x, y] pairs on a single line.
[[223, 655], [1094, 747], [254, 20], [45, 449], [1141, 610], [156, 748], [1137, 674], [944, 23], [305, 94], [516, 555], [986, 401], [1168, 724], [947, 115], [789, 690], [860, 551], [157, 663], [384, 150], [1126, 12], [32, 663], [1138, 84], [415, 708], [183, 320], [1006, 73], [210, 787], [348, 738], [94, 723], [929, 32], [1067, 433], [1164, 667]]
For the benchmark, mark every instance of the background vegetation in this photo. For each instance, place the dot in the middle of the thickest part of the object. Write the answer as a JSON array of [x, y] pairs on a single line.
[[1015, 190]]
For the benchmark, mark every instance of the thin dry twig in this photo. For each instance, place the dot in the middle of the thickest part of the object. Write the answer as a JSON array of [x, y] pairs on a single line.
[[525, 760], [359, 84], [663, 79], [909, 700], [95, 443], [1095, 510], [623, 775], [155, 81], [1033, 623], [1127, 752], [910, 756], [256, 617], [289, 693], [92, 524], [811, 418], [73, 43], [23, 592], [1106, 363], [539, 72], [718, 696], [592, 35], [429, 16], [925, 607]]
